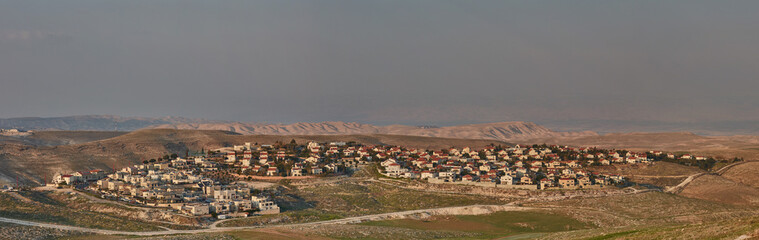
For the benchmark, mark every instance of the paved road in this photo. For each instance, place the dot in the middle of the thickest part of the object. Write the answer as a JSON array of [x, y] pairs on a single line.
[[463, 210], [684, 183], [725, 168], [681, 186]]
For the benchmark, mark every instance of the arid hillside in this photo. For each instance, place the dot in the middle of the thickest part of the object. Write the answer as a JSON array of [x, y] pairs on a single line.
[[660, 174], [53, 138], [505, 131], [90, 122], [37, 162], [720, 189], [717, 146]]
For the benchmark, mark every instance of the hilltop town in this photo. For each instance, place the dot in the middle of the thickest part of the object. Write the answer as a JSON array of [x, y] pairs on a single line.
[[14, 132], [219, 182]]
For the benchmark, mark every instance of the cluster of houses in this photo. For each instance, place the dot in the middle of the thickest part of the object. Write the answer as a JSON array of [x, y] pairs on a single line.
[[684, 156], [14, 132], [182, 183], [178, 184], [314, 159], [527, 167], [6, 188], [79, 177]]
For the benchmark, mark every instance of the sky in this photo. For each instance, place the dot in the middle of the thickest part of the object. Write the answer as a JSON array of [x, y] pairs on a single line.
[[432, 62]]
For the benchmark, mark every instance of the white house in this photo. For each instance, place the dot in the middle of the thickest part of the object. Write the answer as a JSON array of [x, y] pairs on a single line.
[[264, 205]]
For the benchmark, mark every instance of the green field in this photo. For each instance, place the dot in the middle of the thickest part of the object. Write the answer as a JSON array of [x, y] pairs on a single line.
[[352, 198], [646, 208], [727, 229], [496, 225]]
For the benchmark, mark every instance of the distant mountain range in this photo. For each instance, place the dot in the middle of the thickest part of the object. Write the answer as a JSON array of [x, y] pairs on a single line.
[[505, 131], [706, 128], [91, 123], [44, 153]]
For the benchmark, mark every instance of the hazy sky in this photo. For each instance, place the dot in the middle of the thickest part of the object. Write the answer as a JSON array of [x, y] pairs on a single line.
[[383, 62]]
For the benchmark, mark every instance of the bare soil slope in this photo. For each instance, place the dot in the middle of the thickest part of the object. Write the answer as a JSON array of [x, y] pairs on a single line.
[[747, 174], [720, 189], [53, 138], [35, 163], [660, 169], [719, 146], [505, 131], [661, 174]]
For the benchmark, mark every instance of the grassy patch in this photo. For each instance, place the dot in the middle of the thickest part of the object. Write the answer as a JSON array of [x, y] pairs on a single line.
[[301, 216], [613, 235], [500, 224], [728, 229], [267, 235], [651, 207], [348, 199], [354, 199]]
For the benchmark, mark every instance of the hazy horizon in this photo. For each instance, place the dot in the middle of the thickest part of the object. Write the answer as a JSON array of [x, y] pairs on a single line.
[[383, 62]]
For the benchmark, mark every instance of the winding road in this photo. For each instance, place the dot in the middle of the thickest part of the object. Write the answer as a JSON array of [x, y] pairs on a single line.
[[680, 187], [462, 210]]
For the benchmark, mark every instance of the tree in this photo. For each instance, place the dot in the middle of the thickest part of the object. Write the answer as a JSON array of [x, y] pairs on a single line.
[[152, 160], [482, 155], [174, 156]]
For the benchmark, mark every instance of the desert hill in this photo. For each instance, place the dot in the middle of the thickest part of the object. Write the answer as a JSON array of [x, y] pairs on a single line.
[[90, 123], [737, 184], [708, 128], [504, 131], [53, 138], [721, 189], [717, 146], [35, 163]]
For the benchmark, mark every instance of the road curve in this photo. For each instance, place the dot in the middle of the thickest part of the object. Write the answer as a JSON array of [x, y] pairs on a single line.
[[462, 210], [684, 183], [681, 186]]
